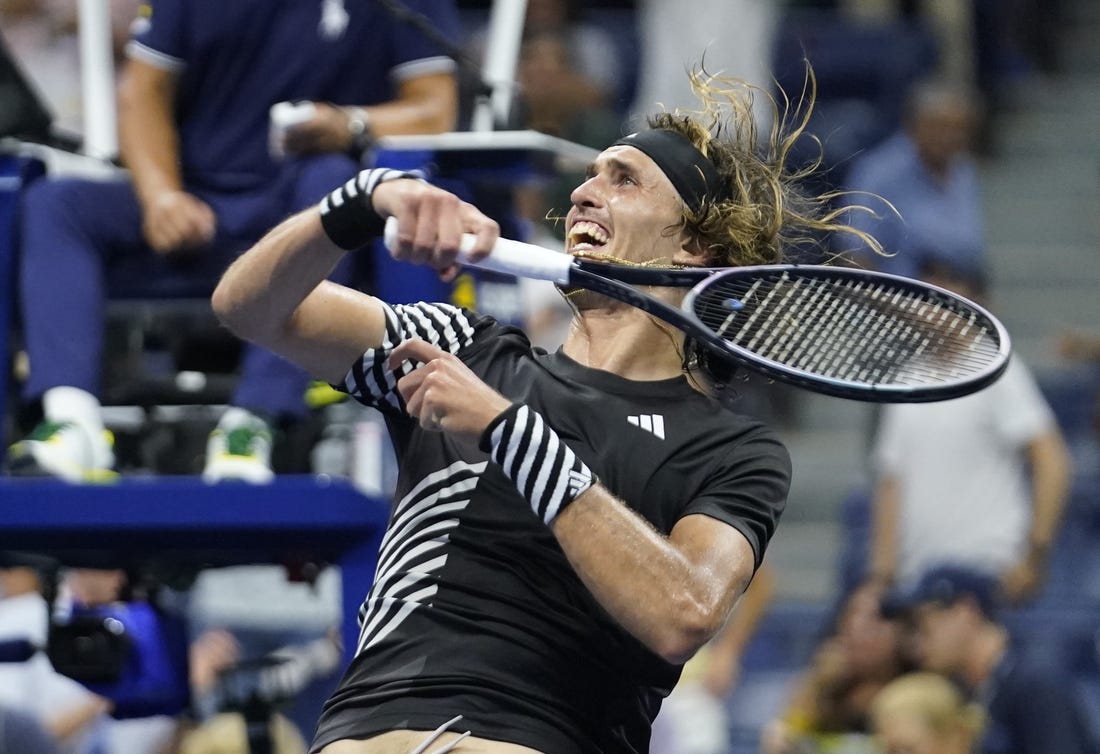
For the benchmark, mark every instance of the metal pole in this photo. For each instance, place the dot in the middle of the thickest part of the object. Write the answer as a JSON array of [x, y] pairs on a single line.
[[499, 67], [97, 80]]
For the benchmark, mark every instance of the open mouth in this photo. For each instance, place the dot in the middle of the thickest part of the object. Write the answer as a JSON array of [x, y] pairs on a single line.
[[586, 236]]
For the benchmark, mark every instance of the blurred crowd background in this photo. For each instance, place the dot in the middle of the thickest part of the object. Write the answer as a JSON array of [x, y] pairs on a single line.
[[977, 119]]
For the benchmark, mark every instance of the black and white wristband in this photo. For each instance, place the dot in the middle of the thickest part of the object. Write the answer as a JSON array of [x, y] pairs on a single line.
[[544, 469], [347, 215]]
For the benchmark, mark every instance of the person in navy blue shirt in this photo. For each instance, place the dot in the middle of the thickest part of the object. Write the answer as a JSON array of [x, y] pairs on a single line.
[[1031, 706], [207, 176]]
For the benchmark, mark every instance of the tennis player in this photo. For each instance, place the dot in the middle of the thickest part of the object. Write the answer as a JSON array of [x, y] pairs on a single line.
[[568, 528]]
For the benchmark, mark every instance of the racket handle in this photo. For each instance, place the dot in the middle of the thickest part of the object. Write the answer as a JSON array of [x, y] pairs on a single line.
[[514, 258]]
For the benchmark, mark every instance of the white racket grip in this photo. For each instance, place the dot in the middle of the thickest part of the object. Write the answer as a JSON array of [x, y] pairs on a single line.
[[514, 258]]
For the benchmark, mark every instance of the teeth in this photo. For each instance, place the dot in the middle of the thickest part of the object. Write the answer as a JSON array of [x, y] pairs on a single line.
[[587, 231]]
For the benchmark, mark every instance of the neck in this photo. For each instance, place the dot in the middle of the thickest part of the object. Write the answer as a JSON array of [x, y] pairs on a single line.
[[625, 341], [989, 646]]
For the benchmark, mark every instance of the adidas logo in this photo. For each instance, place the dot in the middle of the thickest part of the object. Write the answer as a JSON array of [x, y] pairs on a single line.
[[578, 482], [654, 423]]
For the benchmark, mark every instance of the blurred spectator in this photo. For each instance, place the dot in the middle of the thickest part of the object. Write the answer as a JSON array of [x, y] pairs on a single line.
[[1031, 707], [925, 713], [732, 37], [566, 66], [980, 480], [1079, 345], [222, 677], [830, 707], [952, 23], [69, 715], [922, 184], [20, 732], [557, 97], [985, 44], [569, 76], [1082, 347], [78, 720], [693, 718], [232, 694], [145, 677], [202, 186]]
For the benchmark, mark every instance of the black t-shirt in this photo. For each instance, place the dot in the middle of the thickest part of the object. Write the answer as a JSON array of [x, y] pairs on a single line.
[[475, 610]]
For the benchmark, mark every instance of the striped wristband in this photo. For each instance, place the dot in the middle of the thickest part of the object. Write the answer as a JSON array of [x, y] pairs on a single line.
[[543, 468], [347, 215]]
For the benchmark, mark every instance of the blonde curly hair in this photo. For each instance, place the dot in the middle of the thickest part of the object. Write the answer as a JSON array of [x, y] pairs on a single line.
[[762, 212]]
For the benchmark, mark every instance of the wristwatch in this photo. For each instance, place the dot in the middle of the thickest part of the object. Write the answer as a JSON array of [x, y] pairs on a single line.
[[359, 129]]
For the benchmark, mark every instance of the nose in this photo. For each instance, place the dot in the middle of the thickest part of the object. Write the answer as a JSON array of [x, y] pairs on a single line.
[[588, 194]]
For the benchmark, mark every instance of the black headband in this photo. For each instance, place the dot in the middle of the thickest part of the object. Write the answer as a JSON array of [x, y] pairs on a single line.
[[692, 174]]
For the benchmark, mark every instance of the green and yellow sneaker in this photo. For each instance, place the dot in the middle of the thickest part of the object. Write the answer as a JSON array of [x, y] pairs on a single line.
[[61, 449]]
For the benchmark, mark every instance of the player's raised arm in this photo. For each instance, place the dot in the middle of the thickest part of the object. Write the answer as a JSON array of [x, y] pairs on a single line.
[[276, 295]]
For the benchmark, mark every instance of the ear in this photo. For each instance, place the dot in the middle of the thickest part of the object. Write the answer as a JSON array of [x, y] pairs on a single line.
[[693, 254]]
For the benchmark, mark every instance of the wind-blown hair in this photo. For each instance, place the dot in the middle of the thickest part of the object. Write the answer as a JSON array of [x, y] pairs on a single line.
[[764, 213]]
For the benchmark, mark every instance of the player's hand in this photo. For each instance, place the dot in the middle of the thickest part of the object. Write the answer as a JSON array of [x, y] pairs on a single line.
[[326, 131], [176, 221], [443, 394], [430, 224]]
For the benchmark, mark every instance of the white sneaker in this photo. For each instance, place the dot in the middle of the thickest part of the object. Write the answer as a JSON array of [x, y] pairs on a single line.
[[60, 449], [241, 452]]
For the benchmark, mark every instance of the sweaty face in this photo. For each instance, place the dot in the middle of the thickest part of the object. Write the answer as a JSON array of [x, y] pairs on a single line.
[[624, 209]]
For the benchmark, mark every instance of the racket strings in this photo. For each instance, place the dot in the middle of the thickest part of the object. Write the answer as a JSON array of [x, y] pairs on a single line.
[[850, 329]]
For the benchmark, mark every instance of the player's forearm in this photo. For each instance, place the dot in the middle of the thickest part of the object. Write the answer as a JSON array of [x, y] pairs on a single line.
[[672, 593], [261, 291], [655, 590]]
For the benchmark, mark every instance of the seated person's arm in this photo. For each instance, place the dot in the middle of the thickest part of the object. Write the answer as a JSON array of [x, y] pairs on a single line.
[[885, 521], [424, 105], [149, 145]]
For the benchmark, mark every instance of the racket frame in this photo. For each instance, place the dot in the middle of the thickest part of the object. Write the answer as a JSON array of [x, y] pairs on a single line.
[[617, 281], [862, 391]]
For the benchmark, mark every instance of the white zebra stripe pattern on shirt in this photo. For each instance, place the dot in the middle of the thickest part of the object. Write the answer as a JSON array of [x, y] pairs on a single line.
[[414, 549], [442, 325]]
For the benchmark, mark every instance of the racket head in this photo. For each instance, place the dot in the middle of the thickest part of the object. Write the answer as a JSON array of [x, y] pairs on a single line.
[[851, 333]]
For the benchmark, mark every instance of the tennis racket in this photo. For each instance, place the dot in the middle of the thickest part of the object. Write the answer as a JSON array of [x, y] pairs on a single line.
[[845, 332]]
